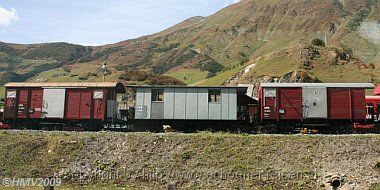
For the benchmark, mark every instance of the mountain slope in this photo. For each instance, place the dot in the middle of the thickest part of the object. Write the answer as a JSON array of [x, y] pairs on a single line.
[[274, 36]]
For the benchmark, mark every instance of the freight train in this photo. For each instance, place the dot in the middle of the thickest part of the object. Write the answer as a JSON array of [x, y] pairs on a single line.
[[280, 107]]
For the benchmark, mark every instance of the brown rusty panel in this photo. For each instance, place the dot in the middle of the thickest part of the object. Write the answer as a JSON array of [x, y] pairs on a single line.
[[10, 108], [78, 104], [22, 104], [99, 105], [72, 104], [358, 104], [269, 109], [290, 103], [85, 104], [339, 103], [36, 97]]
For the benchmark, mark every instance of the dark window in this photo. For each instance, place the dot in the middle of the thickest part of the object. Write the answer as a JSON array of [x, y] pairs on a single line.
[[370, 109], [378, 107], [214, 95], [157, 95]]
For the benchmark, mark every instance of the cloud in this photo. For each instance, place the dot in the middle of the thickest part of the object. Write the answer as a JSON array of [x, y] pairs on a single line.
[[229, 2], [7, 16]]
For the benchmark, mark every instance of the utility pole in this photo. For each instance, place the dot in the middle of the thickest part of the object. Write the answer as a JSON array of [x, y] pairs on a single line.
[[104, 68]]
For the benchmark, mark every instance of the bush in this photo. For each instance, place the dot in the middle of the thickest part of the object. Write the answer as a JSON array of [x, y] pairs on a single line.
[[92, 75], [209, 75], [165, 80], [377, 165], [318, 42], [355, 23], [82, 78], [121, 67], [66, 69], [210, 66], [125, 77]]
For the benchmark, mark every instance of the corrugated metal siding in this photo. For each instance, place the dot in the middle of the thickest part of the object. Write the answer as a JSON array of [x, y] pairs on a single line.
[[140, 104], [111, 108], [225, 93], [202, 103], [358, 104], [339, 103], [188, 103], [232, 104], [36, 103], [191, 106], [290, 100], [140, 97], [169, 103], [214, 111], [148, 101], [180, 103], [157, 110], [22, 105]]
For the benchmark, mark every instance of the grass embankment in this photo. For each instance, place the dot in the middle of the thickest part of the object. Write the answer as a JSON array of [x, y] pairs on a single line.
[[201, 160]]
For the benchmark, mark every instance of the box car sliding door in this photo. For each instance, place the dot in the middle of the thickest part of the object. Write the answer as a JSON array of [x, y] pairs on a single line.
[[53, 105], [78, 104], [314, 102]]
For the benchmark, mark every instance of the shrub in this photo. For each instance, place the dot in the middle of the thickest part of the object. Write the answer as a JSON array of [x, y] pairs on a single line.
[[66, 69], [125, 77], [377, 165], [209, 75], [82, 78], [210, 66], [92, 75], [355, 23], [121, 67], [318, 42]]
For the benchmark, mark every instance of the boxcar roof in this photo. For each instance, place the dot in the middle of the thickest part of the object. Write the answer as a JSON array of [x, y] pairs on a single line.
[[239, 88], [117, 85], [331, 85]]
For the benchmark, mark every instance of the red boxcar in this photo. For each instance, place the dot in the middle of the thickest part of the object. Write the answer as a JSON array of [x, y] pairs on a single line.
[[55, 102], [304, 103], [373, 107]]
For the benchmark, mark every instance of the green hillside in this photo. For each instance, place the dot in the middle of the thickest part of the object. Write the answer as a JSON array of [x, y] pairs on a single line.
[[275, 36]]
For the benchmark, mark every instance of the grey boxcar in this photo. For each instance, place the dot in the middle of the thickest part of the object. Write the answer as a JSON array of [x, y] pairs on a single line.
[[187, 103]]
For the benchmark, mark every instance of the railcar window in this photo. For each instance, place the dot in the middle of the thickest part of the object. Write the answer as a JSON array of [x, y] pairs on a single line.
[[378, 107], [157, 95], [370, 108], [214, 95]]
